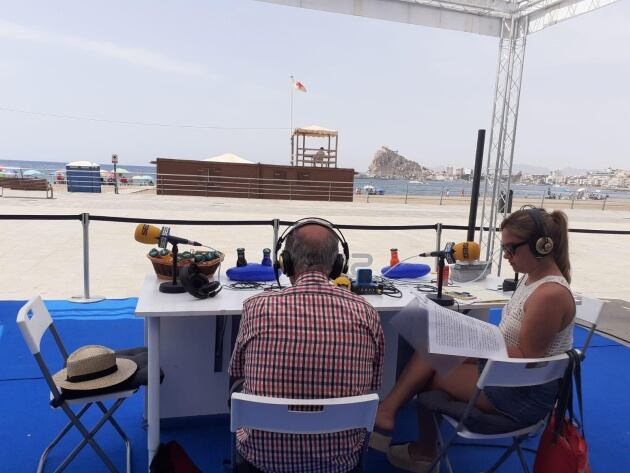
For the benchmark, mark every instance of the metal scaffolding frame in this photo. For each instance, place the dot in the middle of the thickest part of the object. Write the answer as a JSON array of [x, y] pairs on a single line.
[[511, 22]]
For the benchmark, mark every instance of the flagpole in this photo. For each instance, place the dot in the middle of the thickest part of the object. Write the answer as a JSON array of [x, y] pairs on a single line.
[[291, 124]]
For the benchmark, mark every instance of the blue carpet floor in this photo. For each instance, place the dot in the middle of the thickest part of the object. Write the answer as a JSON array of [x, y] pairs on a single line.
[[27, 423]]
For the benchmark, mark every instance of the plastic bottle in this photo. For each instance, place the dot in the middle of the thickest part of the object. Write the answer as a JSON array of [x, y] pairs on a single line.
[[445, 274], [393, 260], [266, 261], [240, 257]]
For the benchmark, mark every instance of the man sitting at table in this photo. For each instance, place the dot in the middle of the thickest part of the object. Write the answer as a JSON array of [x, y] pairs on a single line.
[[309, 341]]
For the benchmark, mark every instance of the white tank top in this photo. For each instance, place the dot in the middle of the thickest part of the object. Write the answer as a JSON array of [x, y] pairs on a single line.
[[513, 314]]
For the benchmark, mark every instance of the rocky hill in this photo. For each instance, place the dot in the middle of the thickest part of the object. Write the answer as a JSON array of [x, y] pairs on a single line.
[[391, 165]]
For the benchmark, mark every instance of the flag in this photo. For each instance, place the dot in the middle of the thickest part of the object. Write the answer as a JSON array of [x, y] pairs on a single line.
[[297, 85]]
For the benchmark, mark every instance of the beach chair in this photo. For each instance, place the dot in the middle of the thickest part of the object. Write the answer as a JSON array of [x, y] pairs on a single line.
[[471, 423], [280, 415], [34, 321]]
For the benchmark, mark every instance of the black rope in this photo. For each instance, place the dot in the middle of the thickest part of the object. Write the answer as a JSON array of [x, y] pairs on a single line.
[[105, 218]]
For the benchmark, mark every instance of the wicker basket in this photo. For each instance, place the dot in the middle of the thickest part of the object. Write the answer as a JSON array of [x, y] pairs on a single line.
[[164, 268]]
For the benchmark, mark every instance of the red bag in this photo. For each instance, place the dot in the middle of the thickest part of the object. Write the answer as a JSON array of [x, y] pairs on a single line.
[[171, 458], [568, 454], [562, 447]]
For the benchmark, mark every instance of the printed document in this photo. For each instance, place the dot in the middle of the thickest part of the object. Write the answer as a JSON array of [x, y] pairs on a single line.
[[434, 330]]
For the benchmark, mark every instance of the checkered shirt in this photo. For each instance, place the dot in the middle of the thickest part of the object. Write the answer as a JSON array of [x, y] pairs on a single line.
[[309, 341]]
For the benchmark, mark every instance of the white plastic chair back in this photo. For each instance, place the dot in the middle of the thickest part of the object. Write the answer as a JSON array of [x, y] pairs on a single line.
[[523, 371], [277, 414], [33, 319], [589, 311]]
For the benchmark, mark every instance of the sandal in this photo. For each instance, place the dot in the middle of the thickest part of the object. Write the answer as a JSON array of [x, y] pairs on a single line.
[[398, 455], [380, 439]]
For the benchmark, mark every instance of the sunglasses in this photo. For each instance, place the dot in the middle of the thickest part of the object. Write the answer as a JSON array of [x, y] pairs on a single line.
[[510, 248]]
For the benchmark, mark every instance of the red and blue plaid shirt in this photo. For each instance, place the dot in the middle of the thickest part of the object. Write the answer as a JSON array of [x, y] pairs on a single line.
[[309, 341]]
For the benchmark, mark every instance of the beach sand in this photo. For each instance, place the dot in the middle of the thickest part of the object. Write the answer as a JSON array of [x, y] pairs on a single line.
[[46, 257]]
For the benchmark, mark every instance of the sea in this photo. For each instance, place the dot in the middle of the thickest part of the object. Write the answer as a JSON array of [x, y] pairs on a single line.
[[397, 187]]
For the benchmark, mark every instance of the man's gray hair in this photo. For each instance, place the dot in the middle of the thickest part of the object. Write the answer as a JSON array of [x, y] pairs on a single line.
[[309, 253]]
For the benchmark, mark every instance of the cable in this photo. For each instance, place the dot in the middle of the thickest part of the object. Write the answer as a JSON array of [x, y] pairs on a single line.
[[125, 122], [389, 288]]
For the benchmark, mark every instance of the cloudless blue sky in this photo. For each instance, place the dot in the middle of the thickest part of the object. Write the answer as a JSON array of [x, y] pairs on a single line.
[[226, 63]]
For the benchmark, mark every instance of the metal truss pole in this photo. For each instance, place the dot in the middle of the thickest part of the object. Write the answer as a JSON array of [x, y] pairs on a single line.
[[502, 134]]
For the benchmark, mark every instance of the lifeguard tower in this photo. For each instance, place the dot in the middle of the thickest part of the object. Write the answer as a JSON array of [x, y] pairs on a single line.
[[315, 154]]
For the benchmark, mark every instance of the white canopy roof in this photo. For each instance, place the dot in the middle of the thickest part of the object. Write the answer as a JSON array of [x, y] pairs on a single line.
[[315, 130], [83, 164], [229, 158]]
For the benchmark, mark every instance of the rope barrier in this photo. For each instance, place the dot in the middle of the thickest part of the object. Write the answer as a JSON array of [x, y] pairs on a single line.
[[106, 218]]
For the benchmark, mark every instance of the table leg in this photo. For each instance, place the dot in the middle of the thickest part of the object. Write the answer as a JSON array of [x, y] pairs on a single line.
[[153, 387]]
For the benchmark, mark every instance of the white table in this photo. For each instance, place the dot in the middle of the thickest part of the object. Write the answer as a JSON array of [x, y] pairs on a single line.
[[180, 336]]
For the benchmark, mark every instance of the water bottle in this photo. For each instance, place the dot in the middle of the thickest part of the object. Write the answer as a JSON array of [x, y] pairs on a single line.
[[393, 260], [240, 257], [266, 261]]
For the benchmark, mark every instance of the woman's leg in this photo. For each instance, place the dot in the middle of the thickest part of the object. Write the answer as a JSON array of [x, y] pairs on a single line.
[[414, 377], [461, 384]]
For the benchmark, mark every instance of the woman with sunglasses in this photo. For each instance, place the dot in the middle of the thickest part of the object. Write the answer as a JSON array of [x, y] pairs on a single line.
[[536, 322]]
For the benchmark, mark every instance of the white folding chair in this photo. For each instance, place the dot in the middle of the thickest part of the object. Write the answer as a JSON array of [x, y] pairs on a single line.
[[34, 321], [470, 423], [587, 312], [279, 415]]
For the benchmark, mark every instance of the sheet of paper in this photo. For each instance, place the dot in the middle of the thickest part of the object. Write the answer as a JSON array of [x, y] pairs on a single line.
[[452, 333], [446, 337], [487, 295], [412, 323]]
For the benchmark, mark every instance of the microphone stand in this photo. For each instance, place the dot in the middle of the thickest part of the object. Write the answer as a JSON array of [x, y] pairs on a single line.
[[438, 298], [173, 287]]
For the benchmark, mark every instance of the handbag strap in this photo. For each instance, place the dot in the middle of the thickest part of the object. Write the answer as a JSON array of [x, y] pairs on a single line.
[[577, 374], [564, 399]]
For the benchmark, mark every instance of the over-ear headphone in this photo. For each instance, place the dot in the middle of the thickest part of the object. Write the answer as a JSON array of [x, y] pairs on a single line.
[[540, 243], [197, 283], [284, 259]]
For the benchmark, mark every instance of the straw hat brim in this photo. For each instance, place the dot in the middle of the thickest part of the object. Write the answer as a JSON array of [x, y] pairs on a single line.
[[126, 369]]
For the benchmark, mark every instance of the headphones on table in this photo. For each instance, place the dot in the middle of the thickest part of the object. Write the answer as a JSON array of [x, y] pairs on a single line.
[[284, 260], [540, 243], [197, 283]]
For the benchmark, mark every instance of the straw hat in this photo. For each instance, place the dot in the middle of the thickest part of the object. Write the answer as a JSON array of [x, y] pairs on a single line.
[[94, 367]]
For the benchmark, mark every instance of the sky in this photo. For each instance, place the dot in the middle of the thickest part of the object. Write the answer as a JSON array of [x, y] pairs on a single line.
[[190, 80]]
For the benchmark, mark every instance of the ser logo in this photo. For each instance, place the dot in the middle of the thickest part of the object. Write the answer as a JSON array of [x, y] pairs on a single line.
[[359, 260]]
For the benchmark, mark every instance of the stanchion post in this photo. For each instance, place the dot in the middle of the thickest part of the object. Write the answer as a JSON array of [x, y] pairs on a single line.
[[407, 193], [573, 200], [86, 298], [438, 240], [604, 203], [276, 231], [441, 195], [542, 202]]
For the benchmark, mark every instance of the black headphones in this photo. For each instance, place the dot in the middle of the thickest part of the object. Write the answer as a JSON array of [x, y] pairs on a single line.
[[540, 243], [197, 283], [284, 260]]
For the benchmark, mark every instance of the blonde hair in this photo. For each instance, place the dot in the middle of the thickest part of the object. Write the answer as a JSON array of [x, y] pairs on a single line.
[[556, 227]]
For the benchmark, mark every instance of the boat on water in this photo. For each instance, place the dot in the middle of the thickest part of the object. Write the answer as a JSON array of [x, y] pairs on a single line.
[[416, 182], [371, 190]]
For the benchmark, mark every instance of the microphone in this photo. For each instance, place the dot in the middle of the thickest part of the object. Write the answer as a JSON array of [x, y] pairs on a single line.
[[151, 235], [465, 251]]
